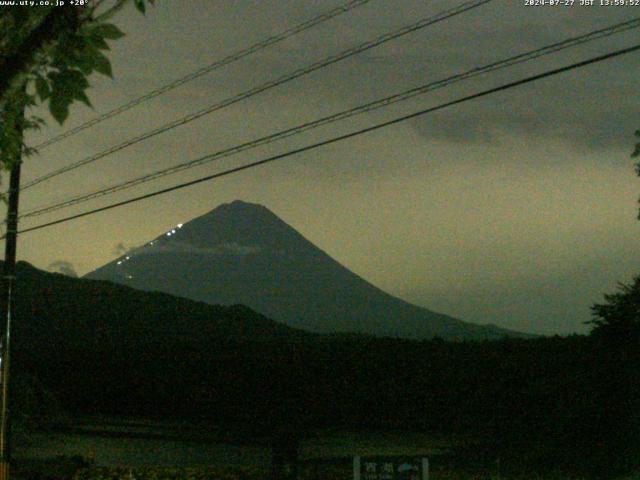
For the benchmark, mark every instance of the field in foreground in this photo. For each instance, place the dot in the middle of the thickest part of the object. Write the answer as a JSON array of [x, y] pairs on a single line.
[[74, 470], [103, 451], [111, 442]]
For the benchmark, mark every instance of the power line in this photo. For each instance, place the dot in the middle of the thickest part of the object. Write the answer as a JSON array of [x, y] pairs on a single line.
[[398, 97], [313, 146], [266, 86], [208, 69]]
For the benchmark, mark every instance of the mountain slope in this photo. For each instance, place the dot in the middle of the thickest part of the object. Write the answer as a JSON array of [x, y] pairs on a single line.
[[64, 312], [243, 253]]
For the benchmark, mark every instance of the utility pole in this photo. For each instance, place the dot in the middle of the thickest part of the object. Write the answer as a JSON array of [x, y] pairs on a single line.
[[14, 118]]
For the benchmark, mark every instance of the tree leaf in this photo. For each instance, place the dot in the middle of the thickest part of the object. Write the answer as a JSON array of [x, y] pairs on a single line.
[[102, 65], [97, 42], [86, 64], [82, 96], [107, 30], [69, 84], [86, 61], [42, 88], [140, 6], [30, 101], [59, 108]]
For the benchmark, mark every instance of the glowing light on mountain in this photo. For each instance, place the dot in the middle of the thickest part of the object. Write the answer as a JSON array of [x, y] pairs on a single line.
[[179, 225], [119, 262]]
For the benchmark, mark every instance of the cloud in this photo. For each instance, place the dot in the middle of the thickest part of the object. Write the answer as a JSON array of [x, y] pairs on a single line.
[[121, 249], [585, 126], [63, 267], [229, 248]]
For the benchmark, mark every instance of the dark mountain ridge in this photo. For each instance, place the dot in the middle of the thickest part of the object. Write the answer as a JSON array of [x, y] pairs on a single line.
[[242, 253], [70, 312], [108, 349]]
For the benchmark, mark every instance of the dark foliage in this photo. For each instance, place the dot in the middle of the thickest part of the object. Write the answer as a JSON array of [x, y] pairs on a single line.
[[616, 377], [58, 468], [559, 403]]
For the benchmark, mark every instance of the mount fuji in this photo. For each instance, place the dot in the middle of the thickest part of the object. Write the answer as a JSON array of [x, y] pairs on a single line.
[[242, 253]]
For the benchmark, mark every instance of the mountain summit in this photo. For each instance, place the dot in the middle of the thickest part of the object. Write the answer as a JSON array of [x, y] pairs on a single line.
[[242, 253]]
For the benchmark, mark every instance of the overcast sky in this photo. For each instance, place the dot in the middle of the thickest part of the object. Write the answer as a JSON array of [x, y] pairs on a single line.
[[517, 209]]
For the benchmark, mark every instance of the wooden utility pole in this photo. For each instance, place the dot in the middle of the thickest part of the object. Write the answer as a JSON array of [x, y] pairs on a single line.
[[14, 118]]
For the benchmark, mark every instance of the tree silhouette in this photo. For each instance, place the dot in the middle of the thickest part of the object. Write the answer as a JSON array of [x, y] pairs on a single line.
[[619, 316], [46, 55], [616, 374]]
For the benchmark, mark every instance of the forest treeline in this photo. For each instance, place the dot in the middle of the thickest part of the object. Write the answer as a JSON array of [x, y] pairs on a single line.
[[569, 403]]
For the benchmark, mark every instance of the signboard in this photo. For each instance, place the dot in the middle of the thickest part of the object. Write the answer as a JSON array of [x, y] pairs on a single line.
[[390, 468]]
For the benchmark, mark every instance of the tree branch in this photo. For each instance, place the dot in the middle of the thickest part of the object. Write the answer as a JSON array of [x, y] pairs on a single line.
[[16, 66]]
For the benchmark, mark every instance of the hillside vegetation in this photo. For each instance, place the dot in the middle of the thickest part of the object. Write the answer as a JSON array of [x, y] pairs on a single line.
[[565, 403]]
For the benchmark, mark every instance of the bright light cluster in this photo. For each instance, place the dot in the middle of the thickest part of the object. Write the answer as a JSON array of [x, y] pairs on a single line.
[[172, 231], [168, 234]]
